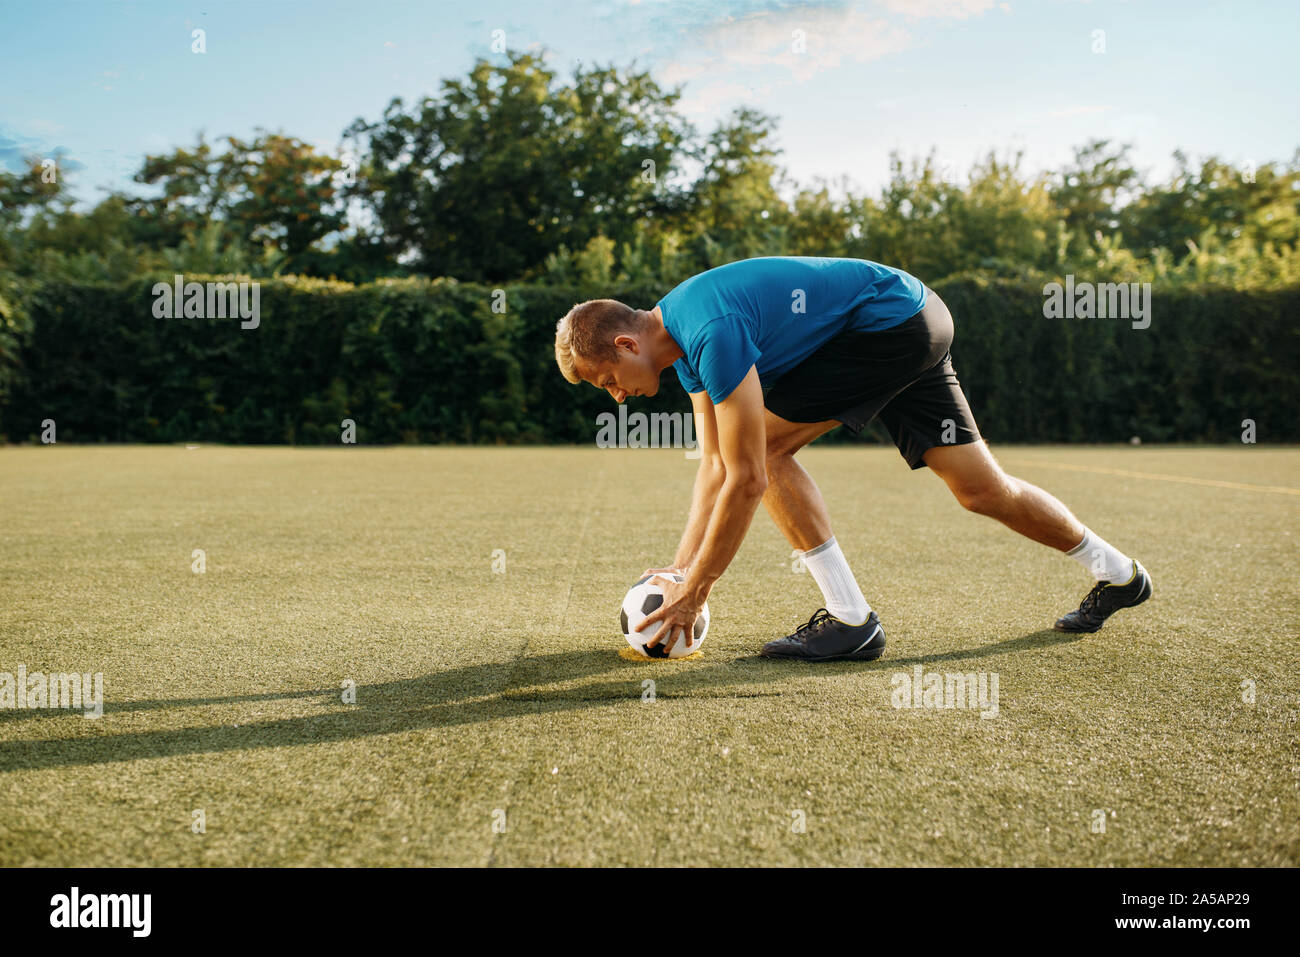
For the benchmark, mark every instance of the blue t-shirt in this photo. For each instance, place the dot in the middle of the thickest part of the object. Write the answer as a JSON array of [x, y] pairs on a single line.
[[775, 311]]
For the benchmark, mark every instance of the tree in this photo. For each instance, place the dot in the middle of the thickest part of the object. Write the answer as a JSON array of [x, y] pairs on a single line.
[[494, 174], [1090, 191], [25, 196], [734, 210], [821, 225], [1218, 200], [273, 190]]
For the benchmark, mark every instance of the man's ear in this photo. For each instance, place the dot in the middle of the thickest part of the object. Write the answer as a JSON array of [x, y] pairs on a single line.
[[627, 342]]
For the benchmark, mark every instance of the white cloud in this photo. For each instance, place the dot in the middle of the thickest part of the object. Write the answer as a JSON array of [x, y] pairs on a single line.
[[942, 9], [100, 83], [1079, 110], [801, 42], [705, 101], [679, 71]]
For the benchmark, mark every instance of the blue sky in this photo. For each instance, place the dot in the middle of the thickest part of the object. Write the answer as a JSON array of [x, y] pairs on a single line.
[[105, 83]]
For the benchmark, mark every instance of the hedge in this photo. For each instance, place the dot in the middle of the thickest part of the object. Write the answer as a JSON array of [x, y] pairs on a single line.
[[433, 362]]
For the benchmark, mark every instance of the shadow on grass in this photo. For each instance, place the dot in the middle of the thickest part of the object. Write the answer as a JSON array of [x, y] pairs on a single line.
[[452, 698], [1045, 638]]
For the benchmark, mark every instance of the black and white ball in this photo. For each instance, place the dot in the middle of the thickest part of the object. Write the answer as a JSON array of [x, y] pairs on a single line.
[[645, 597]]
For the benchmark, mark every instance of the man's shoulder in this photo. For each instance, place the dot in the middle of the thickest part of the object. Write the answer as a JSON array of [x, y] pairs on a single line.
[[718, 326]]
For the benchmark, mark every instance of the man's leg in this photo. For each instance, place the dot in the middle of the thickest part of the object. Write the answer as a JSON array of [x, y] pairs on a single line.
[[792, 497], [980, 485], [852, 629]]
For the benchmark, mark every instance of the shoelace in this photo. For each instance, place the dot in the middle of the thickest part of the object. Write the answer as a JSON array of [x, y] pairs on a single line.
[[819, 618], [1089, 603]]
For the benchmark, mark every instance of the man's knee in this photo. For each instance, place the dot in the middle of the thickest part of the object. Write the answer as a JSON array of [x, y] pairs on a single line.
[[781, 447], [988, 496], [974, 478], [778, 460]]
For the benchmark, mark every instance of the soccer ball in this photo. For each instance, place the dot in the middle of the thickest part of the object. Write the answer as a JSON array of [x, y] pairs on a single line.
[[643, 598]]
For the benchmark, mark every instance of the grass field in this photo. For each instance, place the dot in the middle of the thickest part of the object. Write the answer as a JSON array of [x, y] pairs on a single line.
[[480, 692]]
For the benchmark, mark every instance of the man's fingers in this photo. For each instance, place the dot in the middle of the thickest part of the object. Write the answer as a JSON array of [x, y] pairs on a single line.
[[655, 615], [672, 638], [650, 619], [658, 635]]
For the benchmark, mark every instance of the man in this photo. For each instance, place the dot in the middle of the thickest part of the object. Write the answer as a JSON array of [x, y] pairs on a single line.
[[839, 342]]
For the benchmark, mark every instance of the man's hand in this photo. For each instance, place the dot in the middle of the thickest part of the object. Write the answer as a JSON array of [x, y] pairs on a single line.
[[682, 604]]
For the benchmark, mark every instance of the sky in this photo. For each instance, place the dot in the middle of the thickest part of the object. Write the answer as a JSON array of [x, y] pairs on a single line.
[[103, 83]]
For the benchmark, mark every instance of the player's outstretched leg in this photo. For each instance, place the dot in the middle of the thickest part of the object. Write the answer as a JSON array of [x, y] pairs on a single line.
[[846, 628], [980, 485]]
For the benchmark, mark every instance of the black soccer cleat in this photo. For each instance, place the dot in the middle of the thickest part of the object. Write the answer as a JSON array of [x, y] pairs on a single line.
[[1105, 599], [825, 638]]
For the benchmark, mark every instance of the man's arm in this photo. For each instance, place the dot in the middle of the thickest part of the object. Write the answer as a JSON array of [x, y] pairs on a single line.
[[708, 480], [742, 446]]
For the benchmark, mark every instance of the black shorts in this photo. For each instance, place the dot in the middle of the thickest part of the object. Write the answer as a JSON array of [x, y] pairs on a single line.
[[903, 374]]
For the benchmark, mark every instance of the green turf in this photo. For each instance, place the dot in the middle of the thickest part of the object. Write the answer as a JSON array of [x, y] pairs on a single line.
[[480, 691]]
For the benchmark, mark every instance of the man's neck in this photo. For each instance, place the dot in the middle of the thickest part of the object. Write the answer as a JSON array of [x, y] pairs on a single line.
[[666, 349]]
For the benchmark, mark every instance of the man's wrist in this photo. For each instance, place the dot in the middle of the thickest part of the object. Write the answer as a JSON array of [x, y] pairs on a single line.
[[700, 584]]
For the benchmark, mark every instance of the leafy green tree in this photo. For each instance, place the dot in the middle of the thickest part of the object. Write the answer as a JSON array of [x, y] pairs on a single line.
[[108, 242], [282, 192], [1092, 189], [734, 211], [1218, 199], [1004, 216], [913, 225], [822, 225], [25, 196], [502, 169], [273, 190]]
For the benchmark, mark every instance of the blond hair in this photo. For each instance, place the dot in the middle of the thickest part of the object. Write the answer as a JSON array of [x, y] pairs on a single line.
[[589, 330]]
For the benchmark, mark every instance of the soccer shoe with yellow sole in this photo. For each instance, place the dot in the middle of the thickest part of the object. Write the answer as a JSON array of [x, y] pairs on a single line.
[[825, 638], [1105, 599]]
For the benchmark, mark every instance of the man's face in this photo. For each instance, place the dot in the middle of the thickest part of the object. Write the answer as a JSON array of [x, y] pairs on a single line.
[[630, 374]]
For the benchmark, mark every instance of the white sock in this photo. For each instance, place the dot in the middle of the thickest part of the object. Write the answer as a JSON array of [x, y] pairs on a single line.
[[834, 577], [1103, 561]]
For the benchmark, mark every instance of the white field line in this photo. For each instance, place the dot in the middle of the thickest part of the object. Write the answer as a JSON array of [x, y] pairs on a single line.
[[1214, 483]]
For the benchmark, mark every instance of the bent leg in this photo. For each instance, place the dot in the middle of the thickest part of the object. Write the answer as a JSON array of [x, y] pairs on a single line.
[[796, 506], [979, 484], [792, 497]]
